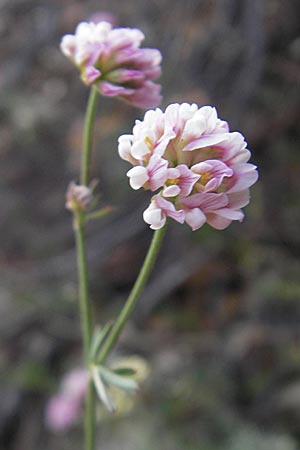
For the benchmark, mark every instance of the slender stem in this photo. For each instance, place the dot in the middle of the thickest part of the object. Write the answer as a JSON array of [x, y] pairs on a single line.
[[88, 135], [134, 295], [86, 324], [85, 313], [84, 302], [89, 417]]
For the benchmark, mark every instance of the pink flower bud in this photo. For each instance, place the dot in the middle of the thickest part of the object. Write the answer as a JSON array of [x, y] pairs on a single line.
[[78, 197]]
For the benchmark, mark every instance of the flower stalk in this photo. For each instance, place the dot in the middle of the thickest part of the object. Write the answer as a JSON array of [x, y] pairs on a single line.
[[85, 310], [89, 417], [134, 295], [84, 301], [88, 135], [86, 324]]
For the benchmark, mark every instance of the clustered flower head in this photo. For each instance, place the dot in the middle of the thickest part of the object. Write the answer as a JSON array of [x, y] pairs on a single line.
[[65, 408], [112, 60], [198, 167]]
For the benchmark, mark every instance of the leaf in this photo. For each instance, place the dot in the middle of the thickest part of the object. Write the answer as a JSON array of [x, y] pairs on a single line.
[[102, 391], [117, 380], [99, 213], [125, 371]]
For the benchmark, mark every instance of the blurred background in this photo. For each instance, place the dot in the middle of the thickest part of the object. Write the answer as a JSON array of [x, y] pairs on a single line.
[[218, 327]]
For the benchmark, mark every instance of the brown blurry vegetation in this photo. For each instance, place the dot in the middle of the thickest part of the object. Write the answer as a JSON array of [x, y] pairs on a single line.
[[219, 322]]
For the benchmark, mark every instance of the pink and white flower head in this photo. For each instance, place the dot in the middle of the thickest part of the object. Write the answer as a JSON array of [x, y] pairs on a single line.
[[111, 59], [65, 408], [198, 167]]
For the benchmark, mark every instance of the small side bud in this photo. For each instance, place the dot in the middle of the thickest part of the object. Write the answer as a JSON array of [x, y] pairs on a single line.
[[78, 197]]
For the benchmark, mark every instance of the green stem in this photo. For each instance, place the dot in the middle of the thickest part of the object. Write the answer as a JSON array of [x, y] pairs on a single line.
[[84, 302], [134, 295], [88, 135], [86, 324], [85, 312], [89, 417]]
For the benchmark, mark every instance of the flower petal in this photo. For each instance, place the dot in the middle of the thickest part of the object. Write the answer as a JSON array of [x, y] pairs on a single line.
[[138, 176], [171, 191], [195, 218], [154, 217]]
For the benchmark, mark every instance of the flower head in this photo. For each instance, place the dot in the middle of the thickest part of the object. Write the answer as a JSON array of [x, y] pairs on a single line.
[[111, 58], [199, 168]]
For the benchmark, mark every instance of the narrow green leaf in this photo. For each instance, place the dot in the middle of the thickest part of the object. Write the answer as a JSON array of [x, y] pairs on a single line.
[[125, 371], [117, 380], [98, 214], [102, 391]]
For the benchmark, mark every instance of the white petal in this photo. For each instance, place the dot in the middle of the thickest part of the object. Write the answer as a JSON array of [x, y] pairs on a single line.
[[154, 217], [211, 117], [171, 191], [138, 177], [124, 147], [139, 149], [68, 45], [193, 129], [195, 218], [206, 141], [125, 137]]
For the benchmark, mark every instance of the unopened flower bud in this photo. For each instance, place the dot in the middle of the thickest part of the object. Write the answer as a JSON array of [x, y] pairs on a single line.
[[78, 197]]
